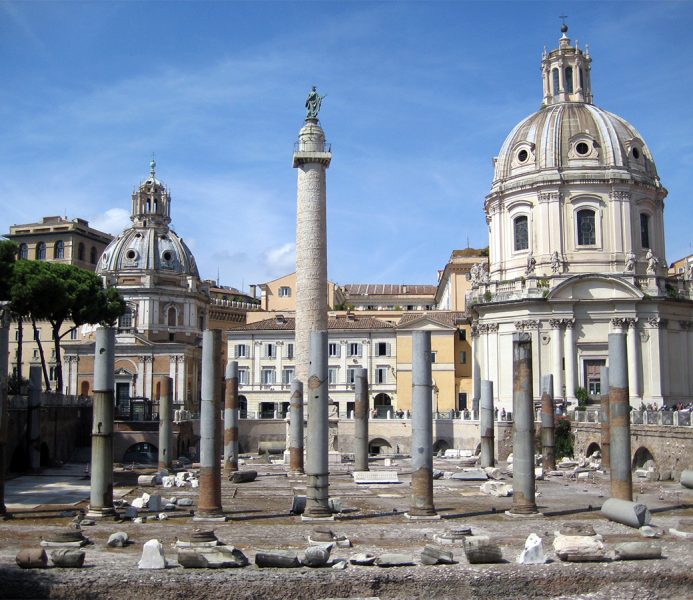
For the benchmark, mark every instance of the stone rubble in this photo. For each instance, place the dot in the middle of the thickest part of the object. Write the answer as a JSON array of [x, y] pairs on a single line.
[[152, 556], [533, 552]]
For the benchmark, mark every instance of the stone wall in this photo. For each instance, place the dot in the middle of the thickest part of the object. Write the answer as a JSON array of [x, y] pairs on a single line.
[[670, 447]]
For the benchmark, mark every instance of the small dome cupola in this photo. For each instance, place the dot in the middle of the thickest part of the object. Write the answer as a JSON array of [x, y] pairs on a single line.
[[151, 202], [565, 73]]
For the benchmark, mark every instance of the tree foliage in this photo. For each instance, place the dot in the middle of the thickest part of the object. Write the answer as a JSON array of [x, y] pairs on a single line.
[[59, 293], [8, 252]]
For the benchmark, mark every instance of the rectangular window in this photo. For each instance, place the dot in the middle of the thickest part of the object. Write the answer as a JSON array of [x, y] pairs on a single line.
[[284, 292], [382, 349], [332, 375], [462, 334], [242, 376], [333, 350], [381, 375], [289, 350], [521, 233], [354, 349], [433, 357], [586, 228], [268, 376], [270, 351], [644, 230], [241, 351], [51, 373], [287, 376], [73, 334], [463, 357], [351, 376]]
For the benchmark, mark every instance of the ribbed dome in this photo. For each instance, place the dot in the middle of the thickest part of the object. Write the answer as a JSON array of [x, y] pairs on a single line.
[[150, 249], [574, 135]]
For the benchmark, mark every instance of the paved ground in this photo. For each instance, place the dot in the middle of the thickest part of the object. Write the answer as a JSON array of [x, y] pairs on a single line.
[[373, 520]]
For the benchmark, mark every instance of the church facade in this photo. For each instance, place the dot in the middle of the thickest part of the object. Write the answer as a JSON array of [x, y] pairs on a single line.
[[576, 250]]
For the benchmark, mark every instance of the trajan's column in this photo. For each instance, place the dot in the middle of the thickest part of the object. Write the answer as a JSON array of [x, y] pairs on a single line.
[[311, 157]]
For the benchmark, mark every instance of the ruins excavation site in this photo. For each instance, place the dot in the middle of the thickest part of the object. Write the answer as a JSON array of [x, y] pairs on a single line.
[[372, 519]]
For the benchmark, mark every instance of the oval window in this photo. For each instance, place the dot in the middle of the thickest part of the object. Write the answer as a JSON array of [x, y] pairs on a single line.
[[131, 254], [522, 156], [582, 148], [167, 255], [636, 153]]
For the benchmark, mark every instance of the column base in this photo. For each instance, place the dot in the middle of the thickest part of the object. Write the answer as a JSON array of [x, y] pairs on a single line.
[[101, 513], [210, 518], [411, 517], [316, 518], [524, 515]]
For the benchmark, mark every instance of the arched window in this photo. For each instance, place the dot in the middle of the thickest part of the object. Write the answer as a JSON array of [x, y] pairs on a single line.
[[23, 252], [521, 233], [644, 230], [92, 255], [80, 251], [569, 80], [41, 251], [125, 320], [59, 249], [171, 316], [582, 82], [586, 228], [554, 73]]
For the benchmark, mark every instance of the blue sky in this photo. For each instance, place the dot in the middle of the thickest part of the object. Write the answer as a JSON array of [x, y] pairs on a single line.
[[420, 96]]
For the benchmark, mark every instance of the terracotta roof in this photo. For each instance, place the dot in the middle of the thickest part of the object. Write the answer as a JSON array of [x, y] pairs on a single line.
[[341, 322], [388, 289], [449, 318]]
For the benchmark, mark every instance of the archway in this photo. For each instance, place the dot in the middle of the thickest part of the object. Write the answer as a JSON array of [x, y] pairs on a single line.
[[592, 448], [84, 389], [142, 452], [379, 446], [440, 447], [242, 407], [382, 403], [642, 459]]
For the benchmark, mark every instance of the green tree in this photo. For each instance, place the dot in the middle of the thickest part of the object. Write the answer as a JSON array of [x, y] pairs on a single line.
[[58, 293], [8, 253]]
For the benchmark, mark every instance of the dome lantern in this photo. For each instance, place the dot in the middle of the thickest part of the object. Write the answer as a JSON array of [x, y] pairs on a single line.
[[565, 73], [151, 202]]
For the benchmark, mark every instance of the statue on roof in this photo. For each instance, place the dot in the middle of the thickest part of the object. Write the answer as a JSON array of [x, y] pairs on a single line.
[[313, 104]]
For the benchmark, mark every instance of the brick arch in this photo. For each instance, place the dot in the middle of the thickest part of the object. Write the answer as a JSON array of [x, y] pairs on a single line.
[[641, 456], [592, 447], [376, 444], [442, 444]]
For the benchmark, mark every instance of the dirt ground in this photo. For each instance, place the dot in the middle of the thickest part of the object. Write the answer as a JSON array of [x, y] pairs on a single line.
[[373, 519]]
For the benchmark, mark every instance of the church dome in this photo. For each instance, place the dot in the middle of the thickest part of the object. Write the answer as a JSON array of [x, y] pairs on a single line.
[[150, 244]]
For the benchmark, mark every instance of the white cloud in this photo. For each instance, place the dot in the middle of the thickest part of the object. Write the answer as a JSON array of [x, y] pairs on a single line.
[[281, 260], [112, 221]]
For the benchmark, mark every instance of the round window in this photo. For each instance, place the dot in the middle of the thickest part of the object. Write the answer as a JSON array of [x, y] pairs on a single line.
[[131, 254], [167, 255], [582, 148], [522, 156], [636, 153]]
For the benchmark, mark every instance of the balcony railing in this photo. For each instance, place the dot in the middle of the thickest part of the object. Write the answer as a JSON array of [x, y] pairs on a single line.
[[661, 418]]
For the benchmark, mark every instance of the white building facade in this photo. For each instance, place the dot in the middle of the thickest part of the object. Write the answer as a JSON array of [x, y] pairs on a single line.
[[266, 355], [576, 250]]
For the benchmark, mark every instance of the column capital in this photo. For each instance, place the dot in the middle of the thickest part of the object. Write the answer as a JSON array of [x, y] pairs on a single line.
[[657, 322], [620, 322], [555, 323], [526, 324], [569, 323]]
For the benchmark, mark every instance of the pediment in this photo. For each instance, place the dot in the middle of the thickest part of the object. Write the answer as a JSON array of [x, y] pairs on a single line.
[[595, 287], [425, 324]]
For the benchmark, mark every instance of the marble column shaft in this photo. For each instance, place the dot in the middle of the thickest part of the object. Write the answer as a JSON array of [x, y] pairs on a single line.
[[361, 420], [231, 419]]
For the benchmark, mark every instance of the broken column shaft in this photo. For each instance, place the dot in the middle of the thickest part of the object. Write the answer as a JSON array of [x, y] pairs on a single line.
[[524, 486], [231, 419], [296, 428], [209, 501], [604, 417], [165, 425], [486, 424], [361, 420], [619, 419], [317, 494], [101, 497], [422, 427], [548, 427]]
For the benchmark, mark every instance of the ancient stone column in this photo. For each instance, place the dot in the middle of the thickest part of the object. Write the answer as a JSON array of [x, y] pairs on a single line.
[[476, 368], [209, 501], [296, 428], [632, 338], [524, 486], [486, 424], [4, 408], [361, 420], [557, 357], [570, 361], [317, 495], [548, 434], [34, 417], [101, 497], [231, 419], [312, 158], [422, 428], [604, 416], [166, 425], [619, 419]]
